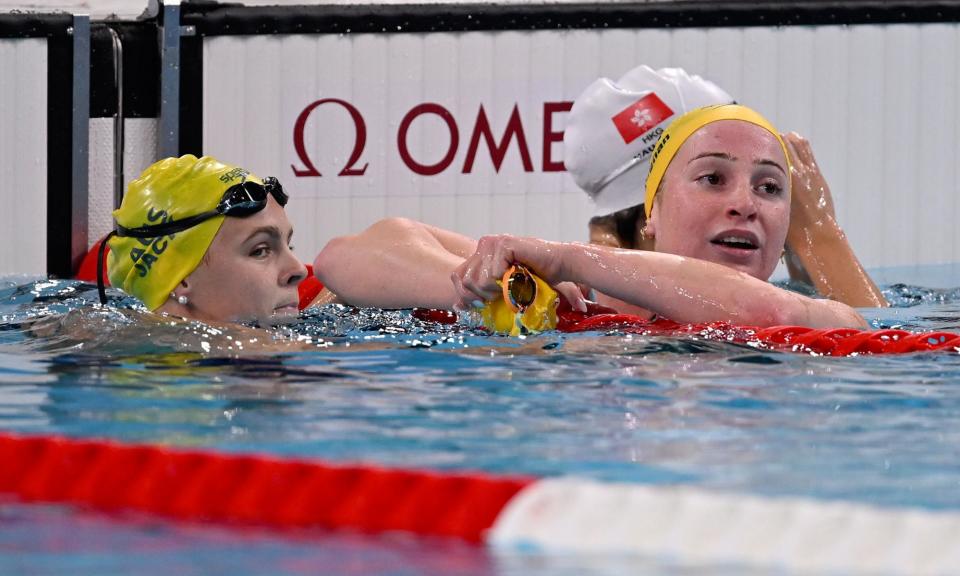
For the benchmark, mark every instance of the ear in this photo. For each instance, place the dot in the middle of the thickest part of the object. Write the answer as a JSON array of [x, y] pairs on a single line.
[[171, 306], [644, 238], [650, 228], [182, 290]]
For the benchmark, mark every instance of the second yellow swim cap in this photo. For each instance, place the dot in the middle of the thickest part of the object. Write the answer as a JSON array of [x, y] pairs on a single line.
[[685, 126], [504, 317], [170, 189]]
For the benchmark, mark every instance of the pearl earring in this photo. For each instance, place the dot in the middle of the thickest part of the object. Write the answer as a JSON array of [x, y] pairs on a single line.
[[181, 300]]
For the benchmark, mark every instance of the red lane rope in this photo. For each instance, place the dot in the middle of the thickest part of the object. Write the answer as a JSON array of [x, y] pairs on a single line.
[[827, 341], [208, 486]]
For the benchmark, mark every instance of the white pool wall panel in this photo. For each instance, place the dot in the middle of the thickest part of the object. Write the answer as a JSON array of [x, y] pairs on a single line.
[[139, 151], [23, 156], [100, 203], [879, 104], [384, 77]]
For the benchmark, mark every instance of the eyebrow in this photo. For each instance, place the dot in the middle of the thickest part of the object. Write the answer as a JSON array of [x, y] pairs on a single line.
[[721, 155], [271, 231], [776, 165], [725, 156]]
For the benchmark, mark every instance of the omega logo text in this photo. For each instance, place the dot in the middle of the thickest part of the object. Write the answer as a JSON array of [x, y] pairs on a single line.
[[514, 138]]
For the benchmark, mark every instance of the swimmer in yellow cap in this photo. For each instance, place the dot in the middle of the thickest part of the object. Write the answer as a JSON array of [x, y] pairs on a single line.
[[608, 156], [200, 239], [399, 263], [718, 205]]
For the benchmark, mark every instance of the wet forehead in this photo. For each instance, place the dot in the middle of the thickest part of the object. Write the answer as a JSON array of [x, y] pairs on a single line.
[[736, 138]]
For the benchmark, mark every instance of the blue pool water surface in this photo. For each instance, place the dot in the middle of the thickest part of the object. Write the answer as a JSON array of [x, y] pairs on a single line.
[[382, 387]]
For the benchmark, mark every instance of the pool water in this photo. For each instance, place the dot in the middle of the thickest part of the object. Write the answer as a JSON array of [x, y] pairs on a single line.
[[382, 387]]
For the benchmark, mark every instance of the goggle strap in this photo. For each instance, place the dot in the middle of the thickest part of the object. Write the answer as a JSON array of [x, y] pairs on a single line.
[[101, 290], [271, 185], [166, 229]]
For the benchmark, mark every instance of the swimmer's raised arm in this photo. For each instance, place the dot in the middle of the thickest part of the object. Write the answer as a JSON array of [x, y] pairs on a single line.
[[395, 263], [683, 289], [817, 249]]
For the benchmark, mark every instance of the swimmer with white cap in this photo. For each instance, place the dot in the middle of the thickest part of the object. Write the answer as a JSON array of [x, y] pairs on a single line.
[[613, 127], [608, 142], [717, 202], [609, 160]]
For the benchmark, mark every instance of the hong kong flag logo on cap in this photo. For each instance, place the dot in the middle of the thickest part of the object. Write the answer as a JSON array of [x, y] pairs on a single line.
[[640, 117]]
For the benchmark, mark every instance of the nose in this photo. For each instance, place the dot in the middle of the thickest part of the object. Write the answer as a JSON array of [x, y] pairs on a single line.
[[293, 271], [742, 202]]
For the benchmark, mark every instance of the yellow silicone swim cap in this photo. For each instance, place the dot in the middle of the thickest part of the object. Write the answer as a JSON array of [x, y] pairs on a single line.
[[685, 126], [540, 314], [170, 189]]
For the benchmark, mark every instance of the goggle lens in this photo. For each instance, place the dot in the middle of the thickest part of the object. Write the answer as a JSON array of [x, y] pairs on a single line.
[[243, 199], [248, 198], [519, 288]]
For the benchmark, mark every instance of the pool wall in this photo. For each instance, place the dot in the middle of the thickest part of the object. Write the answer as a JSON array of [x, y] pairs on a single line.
[[23, 146], [453, 113]]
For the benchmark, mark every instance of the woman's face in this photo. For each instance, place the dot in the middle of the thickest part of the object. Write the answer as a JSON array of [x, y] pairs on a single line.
[[249, 272], [725, 198]]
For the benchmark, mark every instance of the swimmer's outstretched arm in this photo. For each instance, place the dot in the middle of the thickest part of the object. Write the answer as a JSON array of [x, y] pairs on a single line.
[[682, 289], [395, 263], [817, 249]]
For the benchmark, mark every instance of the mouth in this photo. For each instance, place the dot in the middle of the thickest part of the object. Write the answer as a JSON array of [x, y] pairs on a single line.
[[741, 242], [286, 309]]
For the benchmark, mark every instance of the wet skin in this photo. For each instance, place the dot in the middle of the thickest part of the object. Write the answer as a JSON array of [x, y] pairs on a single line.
[[725, 198], [249, 273]]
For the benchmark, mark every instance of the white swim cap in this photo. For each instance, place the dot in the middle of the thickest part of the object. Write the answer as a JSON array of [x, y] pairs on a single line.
[[613, 127]]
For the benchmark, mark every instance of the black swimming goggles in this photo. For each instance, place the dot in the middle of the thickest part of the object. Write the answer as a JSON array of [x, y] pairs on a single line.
[[240, 200]]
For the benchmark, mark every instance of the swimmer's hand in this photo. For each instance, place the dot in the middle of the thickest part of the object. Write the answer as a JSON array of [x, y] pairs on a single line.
[[811, 206], [811, 202], [817, 250], [475, 280]]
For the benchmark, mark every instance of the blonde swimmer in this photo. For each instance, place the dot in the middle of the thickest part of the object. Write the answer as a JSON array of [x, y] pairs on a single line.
[[718, 200], [609, 161], [398, 263]]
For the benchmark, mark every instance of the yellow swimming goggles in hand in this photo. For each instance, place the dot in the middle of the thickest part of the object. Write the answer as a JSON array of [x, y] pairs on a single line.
[[528, 304]]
